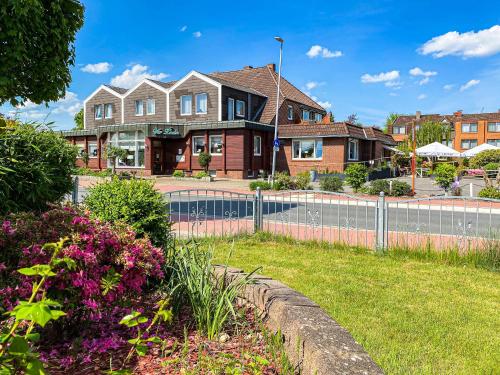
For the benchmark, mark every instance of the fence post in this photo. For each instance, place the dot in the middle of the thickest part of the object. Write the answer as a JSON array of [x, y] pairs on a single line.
[[74, 193], [257, 210], [471, 190], [381, 222]]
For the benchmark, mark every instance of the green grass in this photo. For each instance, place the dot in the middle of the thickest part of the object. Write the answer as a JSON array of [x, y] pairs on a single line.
[[413, 314]]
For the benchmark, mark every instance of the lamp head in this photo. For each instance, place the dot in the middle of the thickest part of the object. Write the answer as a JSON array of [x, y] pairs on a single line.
[[279, 39]]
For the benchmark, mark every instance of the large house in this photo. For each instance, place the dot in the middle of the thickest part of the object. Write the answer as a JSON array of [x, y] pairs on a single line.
[[467, 130], [164, 126]]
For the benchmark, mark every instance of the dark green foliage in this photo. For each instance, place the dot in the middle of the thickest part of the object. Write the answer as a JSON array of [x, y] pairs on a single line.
[[204, 160], [378, 186], [356, 175], [302, 181], [135, 202], [400, 188], [490, 192], [178, 173], [37, 48], [263, 185], [36, 167], [78, 120], [445, 175], [485, 157], [431, 131], [331, 183]]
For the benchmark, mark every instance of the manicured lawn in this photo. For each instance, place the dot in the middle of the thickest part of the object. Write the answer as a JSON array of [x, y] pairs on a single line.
[[413, 316]]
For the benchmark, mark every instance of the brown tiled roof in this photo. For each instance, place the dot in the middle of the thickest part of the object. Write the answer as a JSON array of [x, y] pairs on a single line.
[[336, 129], [264, 80], [163, 84], [119, 90], [376, 133], [234, 85], [466, 117]]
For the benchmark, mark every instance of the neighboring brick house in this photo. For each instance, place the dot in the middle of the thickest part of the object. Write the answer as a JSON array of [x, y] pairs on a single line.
[[165, 125], [467, 130]]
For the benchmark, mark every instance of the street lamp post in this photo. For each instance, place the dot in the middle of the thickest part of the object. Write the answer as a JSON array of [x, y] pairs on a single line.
[[275, 147]]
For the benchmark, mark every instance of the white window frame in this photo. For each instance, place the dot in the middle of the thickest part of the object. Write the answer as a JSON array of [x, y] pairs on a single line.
[[300, 140], [148, 101], [469, 126], [139, 143], [469, 141], [95, 112], [210, 144], [88, 149], [399, 128], [318, 117], [190, 106], [496, 125], [196, 103], [137, 106], [304, 111], [257, 140], [351, 141], [239, 114], [106, 106], [290, 112], [194, 143], [230, 109], [494, 142]]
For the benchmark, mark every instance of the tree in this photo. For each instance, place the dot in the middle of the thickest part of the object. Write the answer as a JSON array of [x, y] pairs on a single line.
[[431, 131], [332, 117], [78, 120], [390, 120], [204, 159], [356, 175], [37, 39], [353, 119], [114, 153]]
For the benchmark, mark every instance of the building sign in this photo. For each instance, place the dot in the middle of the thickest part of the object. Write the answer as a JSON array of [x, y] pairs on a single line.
[[165, 132]]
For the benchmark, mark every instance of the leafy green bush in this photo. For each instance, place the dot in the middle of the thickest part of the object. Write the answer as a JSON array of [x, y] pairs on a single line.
[[491, 166], [204, 160], [490, 192], [303, 181], [485, 157], [263, 185], [445, 175], [283, 181], [91, 172], [400, 188], [36, 166], [356, 175], [178, 173], [377, 186], [114, 153], [201, 174], [331, 183], [135, 202]]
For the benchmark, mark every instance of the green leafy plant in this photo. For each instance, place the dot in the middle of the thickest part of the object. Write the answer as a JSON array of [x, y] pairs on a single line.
[[356, 175], [78, 118], [400, 188], [445, 175], [201, 174], [283, 181], [491, 166], [135, 202], [91, 172], [178, 173], [489, 192], [303, 181], [204, 160], [263, 185], [485, 157], [85, 158], [378, 186], [114, 153], [331, 183]]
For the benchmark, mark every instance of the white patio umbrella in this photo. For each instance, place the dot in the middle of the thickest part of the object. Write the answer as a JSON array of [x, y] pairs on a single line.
[[476, 150], [437, 149]]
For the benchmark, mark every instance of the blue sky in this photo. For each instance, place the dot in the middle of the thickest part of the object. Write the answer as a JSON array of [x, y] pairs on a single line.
[[369, 58]]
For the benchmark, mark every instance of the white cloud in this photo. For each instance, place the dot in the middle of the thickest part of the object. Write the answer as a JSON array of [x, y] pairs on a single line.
[[390, 79], [448, 87], [132, 76], [324, 52], [393, 94], [311, 85], [421, 97], [70, 104], [424, 81], [469, 44], [183, 28], [468, 85], [102, 67], [197, 34], [325, 104], [419, 72]]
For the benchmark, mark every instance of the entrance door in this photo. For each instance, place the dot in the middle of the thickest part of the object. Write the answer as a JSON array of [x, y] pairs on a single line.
[[158, 158]]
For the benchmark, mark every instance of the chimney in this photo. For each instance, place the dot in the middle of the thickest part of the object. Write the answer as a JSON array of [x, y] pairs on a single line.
[[418, 115], [458, 113], [248, 67], [272, 67]]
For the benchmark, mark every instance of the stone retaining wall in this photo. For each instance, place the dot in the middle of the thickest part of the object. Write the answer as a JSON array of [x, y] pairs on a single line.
[[314, 342]]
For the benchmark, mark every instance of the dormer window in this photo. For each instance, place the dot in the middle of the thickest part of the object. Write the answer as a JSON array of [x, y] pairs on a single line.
[[399, 129], [305, 115], [240, 108], [318, 117], [98, 112], [290, 112]]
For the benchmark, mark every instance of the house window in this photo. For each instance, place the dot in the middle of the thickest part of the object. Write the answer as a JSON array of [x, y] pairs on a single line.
[[469, 128], [186, 105], [290, 112], [307, 149], [139, 108], [150, 107], [216, 144], [201, 104], [318, 117], [198, 145], [81, 149], [240, 108], [448, 143], [133, 143], [98, 112], [257, 145], [399, 130], [108, 110], [353, 149], [92, 150], [494, 126], [469, 143], [230, 109], [494, 142], [305, 115]]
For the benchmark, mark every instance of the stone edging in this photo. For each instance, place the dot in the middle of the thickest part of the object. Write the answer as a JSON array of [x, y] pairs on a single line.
[[314, 342]]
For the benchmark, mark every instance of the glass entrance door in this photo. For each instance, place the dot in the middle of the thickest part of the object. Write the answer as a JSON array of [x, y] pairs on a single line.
[[158, 158]]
